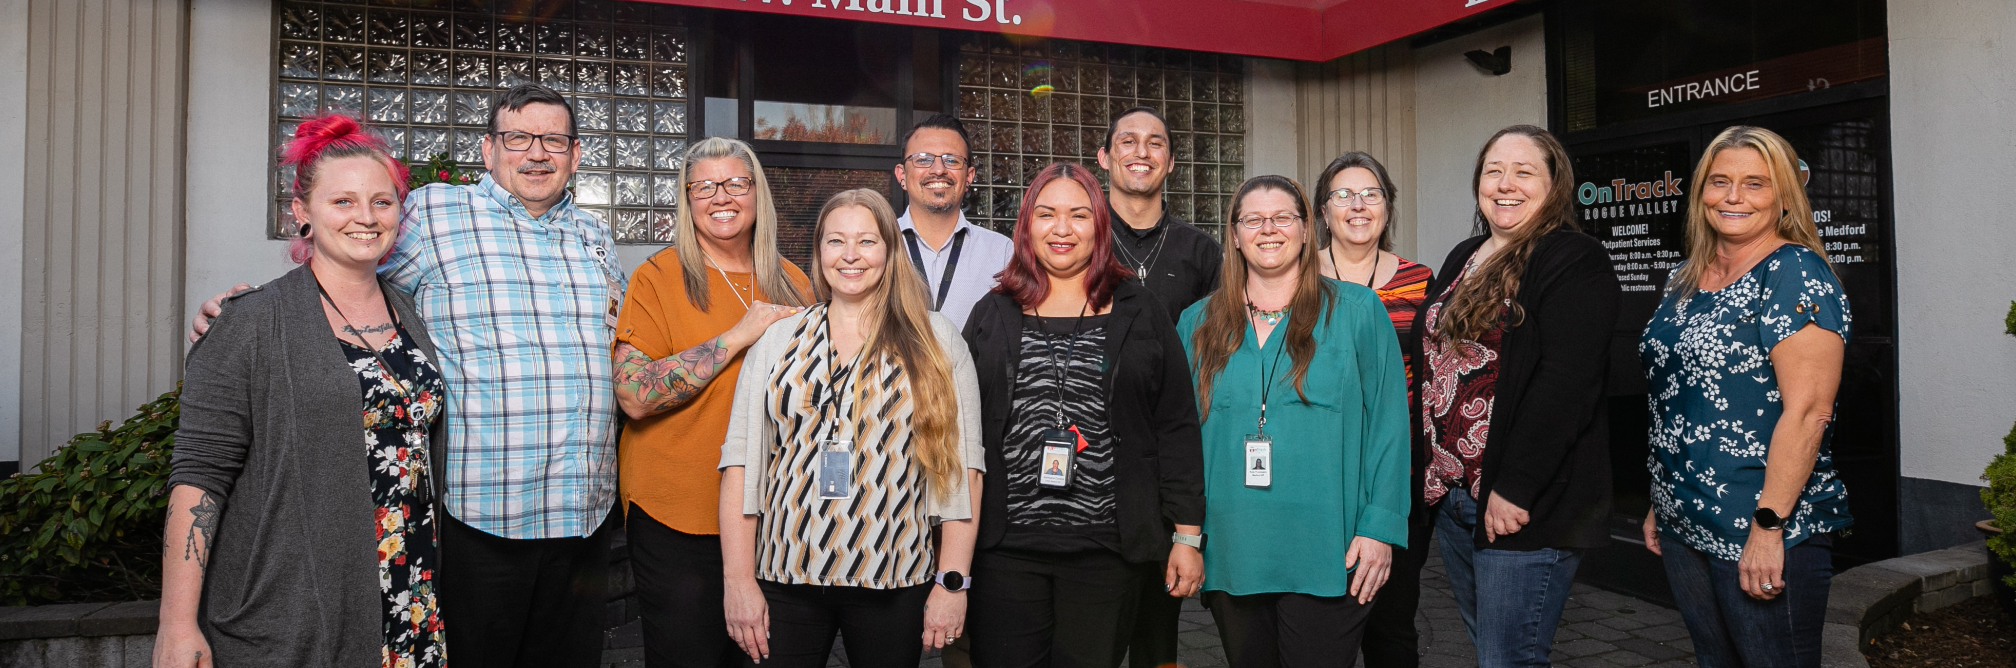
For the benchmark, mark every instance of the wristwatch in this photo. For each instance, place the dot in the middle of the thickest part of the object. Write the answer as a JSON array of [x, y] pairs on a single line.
[[1768, 519], [1181, 538], [954, 581]]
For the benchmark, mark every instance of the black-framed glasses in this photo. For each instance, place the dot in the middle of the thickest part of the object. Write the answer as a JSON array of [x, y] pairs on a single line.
[[1341, 197], [1280, 221], [925, 160], [522, 141], [736, 187]]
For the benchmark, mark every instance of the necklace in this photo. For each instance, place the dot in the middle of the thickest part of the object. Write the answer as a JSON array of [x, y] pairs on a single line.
[[724, 279], [1142, 265], [1269, 317], [1332, 251]]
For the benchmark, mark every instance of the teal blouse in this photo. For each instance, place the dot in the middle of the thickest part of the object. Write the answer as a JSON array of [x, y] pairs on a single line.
[[1340, 458]]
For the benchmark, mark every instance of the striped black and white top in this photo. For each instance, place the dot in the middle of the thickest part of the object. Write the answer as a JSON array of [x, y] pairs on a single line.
[[1082, 516], [879, 538]]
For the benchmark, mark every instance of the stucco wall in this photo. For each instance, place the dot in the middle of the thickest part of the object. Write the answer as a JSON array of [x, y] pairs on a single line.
[[13, 134], [1271, 146], [230, 84], [1458, 106], [1951, 95]]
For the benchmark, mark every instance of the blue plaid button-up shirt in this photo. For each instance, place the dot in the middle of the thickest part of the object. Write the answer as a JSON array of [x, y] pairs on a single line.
[[520, 310]]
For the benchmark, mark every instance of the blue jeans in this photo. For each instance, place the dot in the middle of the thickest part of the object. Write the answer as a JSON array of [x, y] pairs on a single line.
[[1511, 600], [1733, 630]]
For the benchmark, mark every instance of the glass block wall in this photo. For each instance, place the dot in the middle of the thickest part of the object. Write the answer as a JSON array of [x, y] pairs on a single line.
[[1032, 104], [425, 73]]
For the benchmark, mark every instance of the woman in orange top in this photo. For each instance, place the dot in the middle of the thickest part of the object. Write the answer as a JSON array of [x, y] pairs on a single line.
[[689, 314], [1355, 205]]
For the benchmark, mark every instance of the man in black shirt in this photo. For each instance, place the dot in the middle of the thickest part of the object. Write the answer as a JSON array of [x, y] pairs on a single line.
[[1178, 263], [1173, 259]]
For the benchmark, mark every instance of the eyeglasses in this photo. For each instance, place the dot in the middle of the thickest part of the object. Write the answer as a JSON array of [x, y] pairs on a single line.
[[736, 187], [1280, 221], [1341, 197], [924, 160], [522, 141]]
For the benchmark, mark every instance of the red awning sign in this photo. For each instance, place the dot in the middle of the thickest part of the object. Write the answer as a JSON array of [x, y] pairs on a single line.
[[1312, 30]]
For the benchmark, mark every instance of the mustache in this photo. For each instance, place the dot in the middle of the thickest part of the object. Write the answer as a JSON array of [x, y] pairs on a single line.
[[538, 165]]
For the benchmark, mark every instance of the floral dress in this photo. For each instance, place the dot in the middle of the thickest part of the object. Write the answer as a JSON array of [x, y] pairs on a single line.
[[1714, 401], [1456, 401], [399, 406]]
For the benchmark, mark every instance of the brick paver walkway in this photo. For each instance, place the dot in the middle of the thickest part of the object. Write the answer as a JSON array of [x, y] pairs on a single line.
[[1598, 629]]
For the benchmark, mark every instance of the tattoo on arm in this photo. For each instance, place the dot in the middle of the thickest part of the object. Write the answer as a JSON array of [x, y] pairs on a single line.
[[207, 512], [667, 383]]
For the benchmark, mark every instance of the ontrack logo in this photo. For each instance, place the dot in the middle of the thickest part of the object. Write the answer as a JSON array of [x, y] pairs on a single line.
[[1622, 190]]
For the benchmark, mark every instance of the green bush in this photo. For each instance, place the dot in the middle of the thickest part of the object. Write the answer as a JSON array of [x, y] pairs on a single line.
[[2000, 495], [87, 525]]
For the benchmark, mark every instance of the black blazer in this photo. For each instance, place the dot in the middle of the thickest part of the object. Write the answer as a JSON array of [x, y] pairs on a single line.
[[1549, 446], [1153, 409]]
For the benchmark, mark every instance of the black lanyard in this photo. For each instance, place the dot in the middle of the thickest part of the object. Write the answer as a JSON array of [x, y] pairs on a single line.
[[951, 263], [1070, 351], [382, 366], [1267, 373], [829, 407]]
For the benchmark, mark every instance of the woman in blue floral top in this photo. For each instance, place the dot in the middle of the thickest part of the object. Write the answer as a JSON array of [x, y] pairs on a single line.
[[1743, 358]]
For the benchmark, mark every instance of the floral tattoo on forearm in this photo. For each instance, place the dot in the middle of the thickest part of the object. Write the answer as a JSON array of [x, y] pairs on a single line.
[[667, 383], [206, 511]]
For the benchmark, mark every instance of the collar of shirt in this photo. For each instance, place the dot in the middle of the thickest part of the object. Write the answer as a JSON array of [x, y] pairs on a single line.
[[1121, 224], [903, 222]]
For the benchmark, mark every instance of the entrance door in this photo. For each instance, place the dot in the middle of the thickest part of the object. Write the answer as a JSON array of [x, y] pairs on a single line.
[[1846, 150]]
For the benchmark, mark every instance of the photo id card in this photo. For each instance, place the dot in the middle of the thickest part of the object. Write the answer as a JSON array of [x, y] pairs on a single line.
[[1259, 461], [835, 477], [1059, 454]]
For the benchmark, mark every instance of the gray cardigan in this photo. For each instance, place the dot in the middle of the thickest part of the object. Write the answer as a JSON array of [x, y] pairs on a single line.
[[272, 420]]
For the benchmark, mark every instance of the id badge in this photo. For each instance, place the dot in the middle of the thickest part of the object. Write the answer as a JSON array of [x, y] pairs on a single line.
[[1259, 461], [835, 477], [1060, 453], [615, 305]]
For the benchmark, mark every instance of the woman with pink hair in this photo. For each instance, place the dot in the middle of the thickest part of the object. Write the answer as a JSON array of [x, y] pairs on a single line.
[[301, 506]]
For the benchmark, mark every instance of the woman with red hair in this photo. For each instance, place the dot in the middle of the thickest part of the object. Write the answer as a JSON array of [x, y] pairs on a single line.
[[1083, 370], [303, 470]]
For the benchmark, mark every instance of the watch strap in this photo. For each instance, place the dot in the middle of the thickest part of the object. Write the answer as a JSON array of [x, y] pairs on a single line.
[[1181, 538]]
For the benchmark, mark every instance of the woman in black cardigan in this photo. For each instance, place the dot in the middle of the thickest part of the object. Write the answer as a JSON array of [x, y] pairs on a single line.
[[1515, 344], [1090, 428]]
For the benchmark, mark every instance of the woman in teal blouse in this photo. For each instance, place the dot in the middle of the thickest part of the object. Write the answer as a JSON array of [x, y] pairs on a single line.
[[1305, 440]]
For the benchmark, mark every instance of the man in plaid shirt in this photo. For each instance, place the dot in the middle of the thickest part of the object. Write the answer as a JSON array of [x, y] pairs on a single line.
[[519, 291]]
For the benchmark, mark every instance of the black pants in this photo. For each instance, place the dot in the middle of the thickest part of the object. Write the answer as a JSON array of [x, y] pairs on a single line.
[[1155, 616], [884, 628], [1288, 630], [1391, 641], [679, 596], [510, 602], [1038, 609]]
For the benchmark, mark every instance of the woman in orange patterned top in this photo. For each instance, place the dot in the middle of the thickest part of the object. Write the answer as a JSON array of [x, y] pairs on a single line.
[[1355, 203]]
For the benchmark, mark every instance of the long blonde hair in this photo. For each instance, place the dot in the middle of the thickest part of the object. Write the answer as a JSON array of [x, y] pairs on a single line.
[[1494, 290], [770, 277], [1795, 218], [1223, 328], [898, 319]]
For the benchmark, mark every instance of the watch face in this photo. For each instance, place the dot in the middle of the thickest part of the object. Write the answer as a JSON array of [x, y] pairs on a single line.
[[1768, 519], [952, 580]]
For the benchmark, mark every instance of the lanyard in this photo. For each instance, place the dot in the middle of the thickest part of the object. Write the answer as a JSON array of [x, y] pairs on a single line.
[[1070, 351], [1268, 372], [382, 366], [829, 406], [951, 263]]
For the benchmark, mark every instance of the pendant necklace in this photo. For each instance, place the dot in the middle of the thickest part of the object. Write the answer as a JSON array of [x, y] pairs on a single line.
[[1332, 250], [1270, 317], [724, 279], [1141, 264]]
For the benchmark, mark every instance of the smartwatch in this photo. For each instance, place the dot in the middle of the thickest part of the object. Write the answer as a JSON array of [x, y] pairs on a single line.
[[1768, 519], [1181, 538], [954, 581]]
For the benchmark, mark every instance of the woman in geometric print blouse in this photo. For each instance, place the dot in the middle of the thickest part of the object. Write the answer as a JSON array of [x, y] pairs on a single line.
[[855, 432], [1743, 358]]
